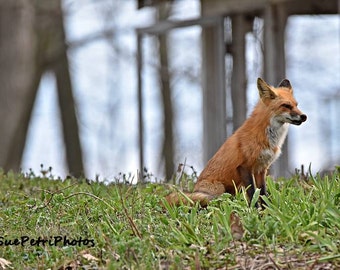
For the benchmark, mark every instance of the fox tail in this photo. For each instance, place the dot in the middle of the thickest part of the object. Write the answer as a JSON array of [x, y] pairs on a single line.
[[187, 198]]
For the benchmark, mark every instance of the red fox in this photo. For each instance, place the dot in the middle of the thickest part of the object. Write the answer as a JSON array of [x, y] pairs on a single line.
[[244, 158]]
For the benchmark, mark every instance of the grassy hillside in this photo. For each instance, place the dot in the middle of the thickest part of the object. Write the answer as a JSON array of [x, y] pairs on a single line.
[[77, 224]]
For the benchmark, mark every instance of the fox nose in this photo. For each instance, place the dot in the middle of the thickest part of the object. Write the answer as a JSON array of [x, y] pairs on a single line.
[[303, 117]]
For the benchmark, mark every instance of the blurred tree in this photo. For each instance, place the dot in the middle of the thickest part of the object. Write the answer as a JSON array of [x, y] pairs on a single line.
[[164, 9], [18, 78], [32, 41]]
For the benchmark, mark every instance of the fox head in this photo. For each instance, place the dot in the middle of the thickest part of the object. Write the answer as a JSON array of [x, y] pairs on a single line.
[[280, 102]]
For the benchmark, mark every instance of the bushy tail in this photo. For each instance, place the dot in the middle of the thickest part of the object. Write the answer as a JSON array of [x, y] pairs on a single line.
[[186, 198]]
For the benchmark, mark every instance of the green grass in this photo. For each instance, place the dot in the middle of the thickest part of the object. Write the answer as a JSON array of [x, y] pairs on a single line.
[[119, 226]]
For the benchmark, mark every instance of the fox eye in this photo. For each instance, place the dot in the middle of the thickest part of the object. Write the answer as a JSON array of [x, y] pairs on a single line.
[[287, 106]]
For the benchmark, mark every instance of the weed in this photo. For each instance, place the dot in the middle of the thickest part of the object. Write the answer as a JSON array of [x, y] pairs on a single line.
[[74, 223]]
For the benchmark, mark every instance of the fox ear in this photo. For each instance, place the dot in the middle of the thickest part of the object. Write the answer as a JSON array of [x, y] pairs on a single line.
[[285, 83], [265, 91]]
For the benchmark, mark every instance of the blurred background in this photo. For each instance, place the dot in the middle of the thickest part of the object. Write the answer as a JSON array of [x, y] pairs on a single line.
[[103, 87]]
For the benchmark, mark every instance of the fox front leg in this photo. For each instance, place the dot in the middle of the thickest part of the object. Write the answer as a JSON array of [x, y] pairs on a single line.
[[248, 181], [260, 180]]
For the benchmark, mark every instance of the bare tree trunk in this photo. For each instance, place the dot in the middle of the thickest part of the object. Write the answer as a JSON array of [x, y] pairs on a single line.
[[168, 149], [52, 46], [32, 39], [240, 28], [213, 86], [19, 78], [66, 102]]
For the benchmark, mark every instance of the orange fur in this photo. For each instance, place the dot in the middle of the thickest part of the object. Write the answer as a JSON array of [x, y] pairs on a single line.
[[244, 158]]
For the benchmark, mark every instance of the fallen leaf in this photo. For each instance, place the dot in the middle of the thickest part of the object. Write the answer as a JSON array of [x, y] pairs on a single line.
[[89, 257], [4, 263], [236, 227]]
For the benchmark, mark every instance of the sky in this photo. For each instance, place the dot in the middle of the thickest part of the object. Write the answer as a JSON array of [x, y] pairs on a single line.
[[104, 79]]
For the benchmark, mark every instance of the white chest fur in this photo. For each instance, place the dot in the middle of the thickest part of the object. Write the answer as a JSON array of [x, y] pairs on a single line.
[[276, 134]]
